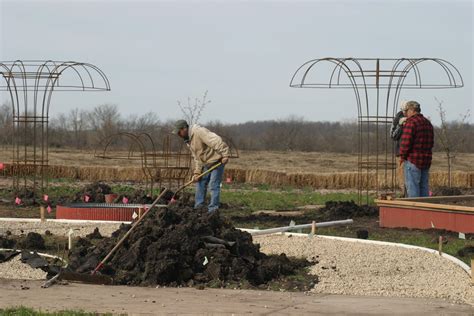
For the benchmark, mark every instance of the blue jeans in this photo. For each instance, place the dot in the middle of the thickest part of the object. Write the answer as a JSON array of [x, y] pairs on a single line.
[[416, 180], [213, 180]]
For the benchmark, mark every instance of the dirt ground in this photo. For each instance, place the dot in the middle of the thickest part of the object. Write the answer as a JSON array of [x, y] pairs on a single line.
[[152, 301], [269, 160]]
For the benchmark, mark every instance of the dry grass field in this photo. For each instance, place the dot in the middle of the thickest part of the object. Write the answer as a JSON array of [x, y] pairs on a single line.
[[300, 162], [295, 169]]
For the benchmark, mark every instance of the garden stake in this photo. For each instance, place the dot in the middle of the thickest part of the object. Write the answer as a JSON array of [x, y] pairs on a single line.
[[440, 245]]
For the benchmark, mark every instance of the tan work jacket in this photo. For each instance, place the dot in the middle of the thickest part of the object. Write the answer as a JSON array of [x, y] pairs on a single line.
[[206, 147]]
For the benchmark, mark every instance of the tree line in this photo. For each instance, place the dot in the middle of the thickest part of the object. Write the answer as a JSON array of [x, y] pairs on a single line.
[[84, 129]]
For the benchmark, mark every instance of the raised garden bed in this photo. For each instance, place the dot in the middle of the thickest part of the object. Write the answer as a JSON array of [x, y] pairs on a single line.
[[453, 213]]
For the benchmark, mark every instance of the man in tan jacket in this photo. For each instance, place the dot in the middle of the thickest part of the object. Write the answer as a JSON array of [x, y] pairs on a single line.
[[207, 149]]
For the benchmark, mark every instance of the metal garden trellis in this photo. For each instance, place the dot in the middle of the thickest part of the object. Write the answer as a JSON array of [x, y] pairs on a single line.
[[30, 85], [165, 162], [376, 157]]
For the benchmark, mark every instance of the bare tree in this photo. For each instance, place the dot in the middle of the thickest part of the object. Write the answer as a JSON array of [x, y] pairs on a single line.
[[192, 110], [147, 122], [105, 120], [77, 122], [451, 136]]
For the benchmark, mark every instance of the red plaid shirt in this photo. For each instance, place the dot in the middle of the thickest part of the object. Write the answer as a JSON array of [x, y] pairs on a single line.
[[417, 141]]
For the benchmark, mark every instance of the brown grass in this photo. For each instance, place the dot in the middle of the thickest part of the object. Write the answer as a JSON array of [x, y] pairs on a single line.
[[304, 162], [298, 169]]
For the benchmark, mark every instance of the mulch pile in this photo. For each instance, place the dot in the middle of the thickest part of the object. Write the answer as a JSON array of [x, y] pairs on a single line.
[[180, 246]]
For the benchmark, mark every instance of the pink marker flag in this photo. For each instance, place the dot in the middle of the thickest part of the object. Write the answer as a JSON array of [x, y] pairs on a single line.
[[86, 198], [17, 201], [45, 198], [49, 209], [124, 200], [2, 166], [228, 180], [430, 193]]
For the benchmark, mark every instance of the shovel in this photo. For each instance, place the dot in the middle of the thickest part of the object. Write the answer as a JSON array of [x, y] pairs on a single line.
[[120, 242], [102, 279], [93, 278], [181, 188]]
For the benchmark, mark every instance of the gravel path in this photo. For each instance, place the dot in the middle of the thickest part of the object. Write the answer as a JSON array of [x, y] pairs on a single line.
[[56, 228], [353, 268], [15, 269]]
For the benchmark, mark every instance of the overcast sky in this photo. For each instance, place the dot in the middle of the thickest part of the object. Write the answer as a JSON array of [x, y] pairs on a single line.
[[155, 53]]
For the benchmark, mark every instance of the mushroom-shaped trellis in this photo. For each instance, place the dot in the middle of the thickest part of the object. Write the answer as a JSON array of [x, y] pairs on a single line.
[[377, 84], [30, 85]]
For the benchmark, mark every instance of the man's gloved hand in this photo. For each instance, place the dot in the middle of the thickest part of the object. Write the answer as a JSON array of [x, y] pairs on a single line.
[[402, 121], [195, 177], [225, 160]]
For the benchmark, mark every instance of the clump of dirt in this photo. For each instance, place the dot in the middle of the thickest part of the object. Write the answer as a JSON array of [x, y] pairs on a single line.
[[95, 234], [181, 246], [467, 251], [336, 210], [362, 234], [33, 241], [447, 191], [7, 242], [95, 191]]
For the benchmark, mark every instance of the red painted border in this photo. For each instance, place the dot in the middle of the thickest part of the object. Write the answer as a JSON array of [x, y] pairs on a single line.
[[425, 219], [99, 213]]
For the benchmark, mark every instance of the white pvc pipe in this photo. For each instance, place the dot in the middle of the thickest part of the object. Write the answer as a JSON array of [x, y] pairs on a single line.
[[39, 253], [295, 227]]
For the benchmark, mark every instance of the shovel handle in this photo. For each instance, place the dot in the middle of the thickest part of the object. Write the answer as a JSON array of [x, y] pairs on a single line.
[[120, 242], [192, 181]]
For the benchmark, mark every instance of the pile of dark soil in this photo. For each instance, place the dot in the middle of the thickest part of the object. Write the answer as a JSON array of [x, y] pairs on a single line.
[[336, 210], [332, 211], [141, 197], [447, 191], [95, 191], [179, 246], [33, 241]]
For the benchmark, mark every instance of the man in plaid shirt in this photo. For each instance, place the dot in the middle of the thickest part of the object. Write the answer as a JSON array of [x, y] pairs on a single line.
[[416, 150]]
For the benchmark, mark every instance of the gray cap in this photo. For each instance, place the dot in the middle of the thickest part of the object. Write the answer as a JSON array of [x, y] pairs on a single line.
[[179, 125], [413, 105]]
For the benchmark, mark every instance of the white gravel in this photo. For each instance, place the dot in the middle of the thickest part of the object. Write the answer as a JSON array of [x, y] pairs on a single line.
[[15, 269], [353, 268], [56, 228]]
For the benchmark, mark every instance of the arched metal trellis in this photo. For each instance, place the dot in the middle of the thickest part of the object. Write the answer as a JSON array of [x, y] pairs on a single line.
[[164, 162], [30, 85], [377, 84]]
